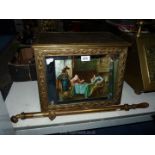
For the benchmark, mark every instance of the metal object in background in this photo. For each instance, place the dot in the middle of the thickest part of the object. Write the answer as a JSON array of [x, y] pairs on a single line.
[[140, 67], [139, 29]]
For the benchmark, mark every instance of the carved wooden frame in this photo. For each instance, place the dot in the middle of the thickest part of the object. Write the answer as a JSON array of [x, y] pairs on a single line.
[[42, 51]]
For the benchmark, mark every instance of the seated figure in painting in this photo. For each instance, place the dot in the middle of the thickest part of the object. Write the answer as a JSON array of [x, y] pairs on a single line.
[[76, 80], [79, 87], [97, 84], [97, 79]]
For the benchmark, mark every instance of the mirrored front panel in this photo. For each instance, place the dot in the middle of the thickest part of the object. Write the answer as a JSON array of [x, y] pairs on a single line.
[[72, 79]]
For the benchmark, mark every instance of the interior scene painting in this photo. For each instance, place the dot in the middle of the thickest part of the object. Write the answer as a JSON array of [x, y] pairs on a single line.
[[80, 78]]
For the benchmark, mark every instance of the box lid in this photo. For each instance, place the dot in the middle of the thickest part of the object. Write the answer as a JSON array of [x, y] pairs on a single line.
[[82, 38]]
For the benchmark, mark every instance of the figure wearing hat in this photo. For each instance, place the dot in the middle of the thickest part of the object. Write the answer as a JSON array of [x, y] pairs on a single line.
[[65, 79]]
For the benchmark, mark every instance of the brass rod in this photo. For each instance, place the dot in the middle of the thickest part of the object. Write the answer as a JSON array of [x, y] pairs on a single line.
[[139, 29], [52, 114]]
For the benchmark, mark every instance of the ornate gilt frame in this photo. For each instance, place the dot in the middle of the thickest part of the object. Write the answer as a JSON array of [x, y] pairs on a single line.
[[41, 51]]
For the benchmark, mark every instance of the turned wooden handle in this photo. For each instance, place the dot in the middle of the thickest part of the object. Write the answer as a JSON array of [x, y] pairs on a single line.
[[134, 106], [142, 105]]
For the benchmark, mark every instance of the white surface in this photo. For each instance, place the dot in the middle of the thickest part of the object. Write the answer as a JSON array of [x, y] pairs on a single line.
[[5, 124], [23, 97]]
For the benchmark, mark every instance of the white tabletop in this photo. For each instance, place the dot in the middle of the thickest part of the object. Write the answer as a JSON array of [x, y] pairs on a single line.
[[24, 97]]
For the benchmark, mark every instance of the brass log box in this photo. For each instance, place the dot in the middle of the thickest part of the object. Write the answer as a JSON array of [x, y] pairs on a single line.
[[79, 71]]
